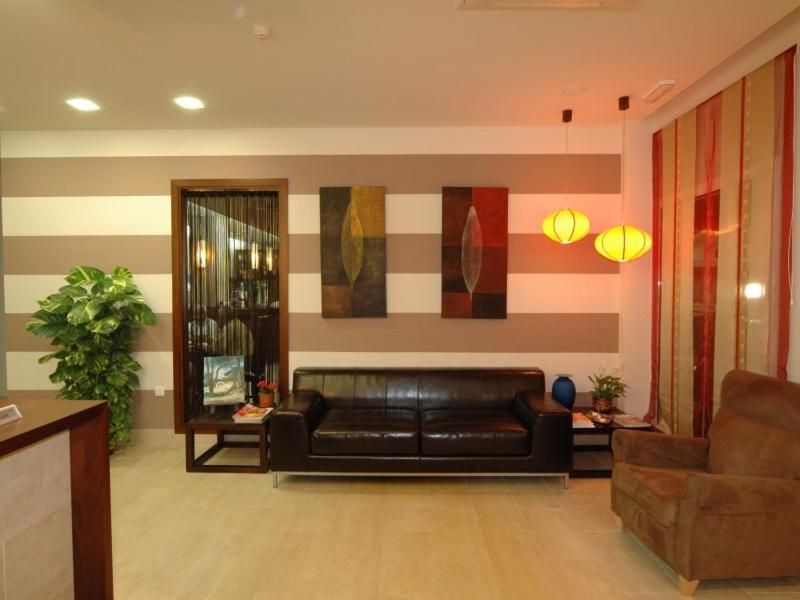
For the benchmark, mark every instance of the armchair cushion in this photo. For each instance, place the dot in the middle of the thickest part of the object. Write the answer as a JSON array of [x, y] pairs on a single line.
[[744, 446], [662, 451], [657, 491]]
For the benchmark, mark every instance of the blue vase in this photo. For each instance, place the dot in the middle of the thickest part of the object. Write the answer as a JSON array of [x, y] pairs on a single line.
[[563, 391]]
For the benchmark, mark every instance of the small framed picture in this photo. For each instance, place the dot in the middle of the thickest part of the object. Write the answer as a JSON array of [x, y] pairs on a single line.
[[9, 413], [223, 380]]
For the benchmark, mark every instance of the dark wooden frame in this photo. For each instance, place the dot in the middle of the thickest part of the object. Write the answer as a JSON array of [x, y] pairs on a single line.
[[179, 284], [90, 480], [599, 430], [221, 426]]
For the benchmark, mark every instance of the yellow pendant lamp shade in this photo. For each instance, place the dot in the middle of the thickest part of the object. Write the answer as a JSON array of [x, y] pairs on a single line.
[[623, 243], [566, 226]]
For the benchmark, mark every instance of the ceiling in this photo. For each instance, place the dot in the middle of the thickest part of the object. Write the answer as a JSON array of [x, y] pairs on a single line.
[[353, 62]]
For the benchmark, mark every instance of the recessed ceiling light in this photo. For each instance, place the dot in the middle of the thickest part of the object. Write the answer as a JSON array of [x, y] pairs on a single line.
[[189, 102], [83, 104]]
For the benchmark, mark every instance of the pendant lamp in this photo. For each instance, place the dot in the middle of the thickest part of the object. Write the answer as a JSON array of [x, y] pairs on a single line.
[[623, 243], [566, 225]]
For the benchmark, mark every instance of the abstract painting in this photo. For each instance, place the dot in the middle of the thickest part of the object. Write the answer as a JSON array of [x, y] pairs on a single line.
[[353, 251], [474, 252]]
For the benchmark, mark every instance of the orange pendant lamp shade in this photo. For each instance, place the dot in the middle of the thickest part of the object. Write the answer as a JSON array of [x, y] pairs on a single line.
[[623, 243], [566, 226]]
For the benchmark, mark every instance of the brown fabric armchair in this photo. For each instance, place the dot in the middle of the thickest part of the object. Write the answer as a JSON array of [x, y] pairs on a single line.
[[723, 507]]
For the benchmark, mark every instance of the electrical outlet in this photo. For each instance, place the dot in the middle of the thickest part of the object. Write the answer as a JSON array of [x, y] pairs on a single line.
[[159, 392]]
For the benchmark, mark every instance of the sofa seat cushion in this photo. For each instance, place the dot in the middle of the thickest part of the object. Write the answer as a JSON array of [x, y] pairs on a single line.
[[353, 431], [473, 432], [657, 491]]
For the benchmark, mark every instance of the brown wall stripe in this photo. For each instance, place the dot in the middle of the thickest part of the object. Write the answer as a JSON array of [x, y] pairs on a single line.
[[152, 339], [149, 412], [560, 332], [401, 174], [406, 253], [56, 255]]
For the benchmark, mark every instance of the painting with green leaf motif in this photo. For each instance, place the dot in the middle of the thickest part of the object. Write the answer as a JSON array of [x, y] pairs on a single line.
[[353, 251]]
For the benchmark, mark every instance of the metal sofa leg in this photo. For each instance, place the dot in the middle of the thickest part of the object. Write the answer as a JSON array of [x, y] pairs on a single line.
[[274, 480], [566, 481]]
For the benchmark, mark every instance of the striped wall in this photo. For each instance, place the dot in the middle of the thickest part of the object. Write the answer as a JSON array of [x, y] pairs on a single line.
[[88, 199]]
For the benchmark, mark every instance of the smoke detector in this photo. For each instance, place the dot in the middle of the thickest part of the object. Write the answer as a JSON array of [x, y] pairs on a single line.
[[538, 4]]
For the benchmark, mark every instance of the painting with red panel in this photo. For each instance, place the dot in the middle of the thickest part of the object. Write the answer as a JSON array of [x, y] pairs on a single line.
[[474, 252]]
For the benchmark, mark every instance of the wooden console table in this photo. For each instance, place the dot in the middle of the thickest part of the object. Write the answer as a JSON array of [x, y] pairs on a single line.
[[60, 449], [221, 425], [606, 431]]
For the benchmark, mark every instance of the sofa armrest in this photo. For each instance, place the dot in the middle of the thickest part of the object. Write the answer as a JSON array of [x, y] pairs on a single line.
[[551, 430], [291, 424], [737, 525], [650, 449]]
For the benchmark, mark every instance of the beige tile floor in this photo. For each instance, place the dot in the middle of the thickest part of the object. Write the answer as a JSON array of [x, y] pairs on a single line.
[[232, 536]]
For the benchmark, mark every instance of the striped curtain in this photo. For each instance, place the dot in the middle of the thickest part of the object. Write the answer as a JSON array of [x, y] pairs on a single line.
[[722, 202]]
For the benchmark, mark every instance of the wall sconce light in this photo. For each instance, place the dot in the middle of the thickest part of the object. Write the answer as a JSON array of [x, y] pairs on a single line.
[[754, 291], [254, 257], [201, 254]]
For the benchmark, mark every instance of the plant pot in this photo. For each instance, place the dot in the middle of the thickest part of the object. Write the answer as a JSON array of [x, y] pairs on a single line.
[[602, 405], [266, 399]]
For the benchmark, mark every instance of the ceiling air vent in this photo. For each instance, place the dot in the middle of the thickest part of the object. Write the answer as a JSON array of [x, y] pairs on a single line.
[[533, 4]]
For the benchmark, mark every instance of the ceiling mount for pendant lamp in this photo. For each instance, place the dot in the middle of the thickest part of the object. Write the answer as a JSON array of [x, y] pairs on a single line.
[[566, 226], [623, 243]]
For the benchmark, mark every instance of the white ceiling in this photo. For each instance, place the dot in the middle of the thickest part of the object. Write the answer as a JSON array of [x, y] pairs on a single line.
[[353, 62]]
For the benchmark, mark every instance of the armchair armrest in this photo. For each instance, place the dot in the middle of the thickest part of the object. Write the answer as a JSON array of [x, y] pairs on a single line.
[[738, 524], [648, 449], [551, 430], [291, 424]]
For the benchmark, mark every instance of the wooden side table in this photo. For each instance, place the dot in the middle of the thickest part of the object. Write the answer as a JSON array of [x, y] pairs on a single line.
[[606, 431], [221, 425]]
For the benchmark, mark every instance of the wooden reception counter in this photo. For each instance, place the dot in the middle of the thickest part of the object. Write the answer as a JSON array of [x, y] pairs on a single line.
[[55, 501]]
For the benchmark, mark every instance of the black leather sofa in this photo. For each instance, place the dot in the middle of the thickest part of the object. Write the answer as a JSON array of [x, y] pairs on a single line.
[[426, 421]]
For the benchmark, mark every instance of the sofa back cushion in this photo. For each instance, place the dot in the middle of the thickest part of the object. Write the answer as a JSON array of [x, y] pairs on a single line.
[[419, 389], [757, 429]]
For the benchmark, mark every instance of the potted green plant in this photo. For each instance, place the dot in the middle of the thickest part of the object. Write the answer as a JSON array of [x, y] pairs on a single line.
[[607, 388], [92, 321]]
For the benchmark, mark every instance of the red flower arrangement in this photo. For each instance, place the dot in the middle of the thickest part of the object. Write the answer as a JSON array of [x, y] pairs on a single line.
[[266, 393], [263, 386]]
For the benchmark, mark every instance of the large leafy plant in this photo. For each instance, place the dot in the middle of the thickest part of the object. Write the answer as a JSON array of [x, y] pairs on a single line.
[[91, 321]]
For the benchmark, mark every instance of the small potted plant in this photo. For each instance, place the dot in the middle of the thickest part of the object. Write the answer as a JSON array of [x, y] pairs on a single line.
[[266, 393], [606, 389]]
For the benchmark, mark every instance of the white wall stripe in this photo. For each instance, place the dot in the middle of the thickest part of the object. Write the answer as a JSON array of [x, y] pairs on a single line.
[[579, 365], [527, 293], [22, 291], [25, 372], [150, 215], [527, 211], [546, 139], [422, 213], [87, 215]]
